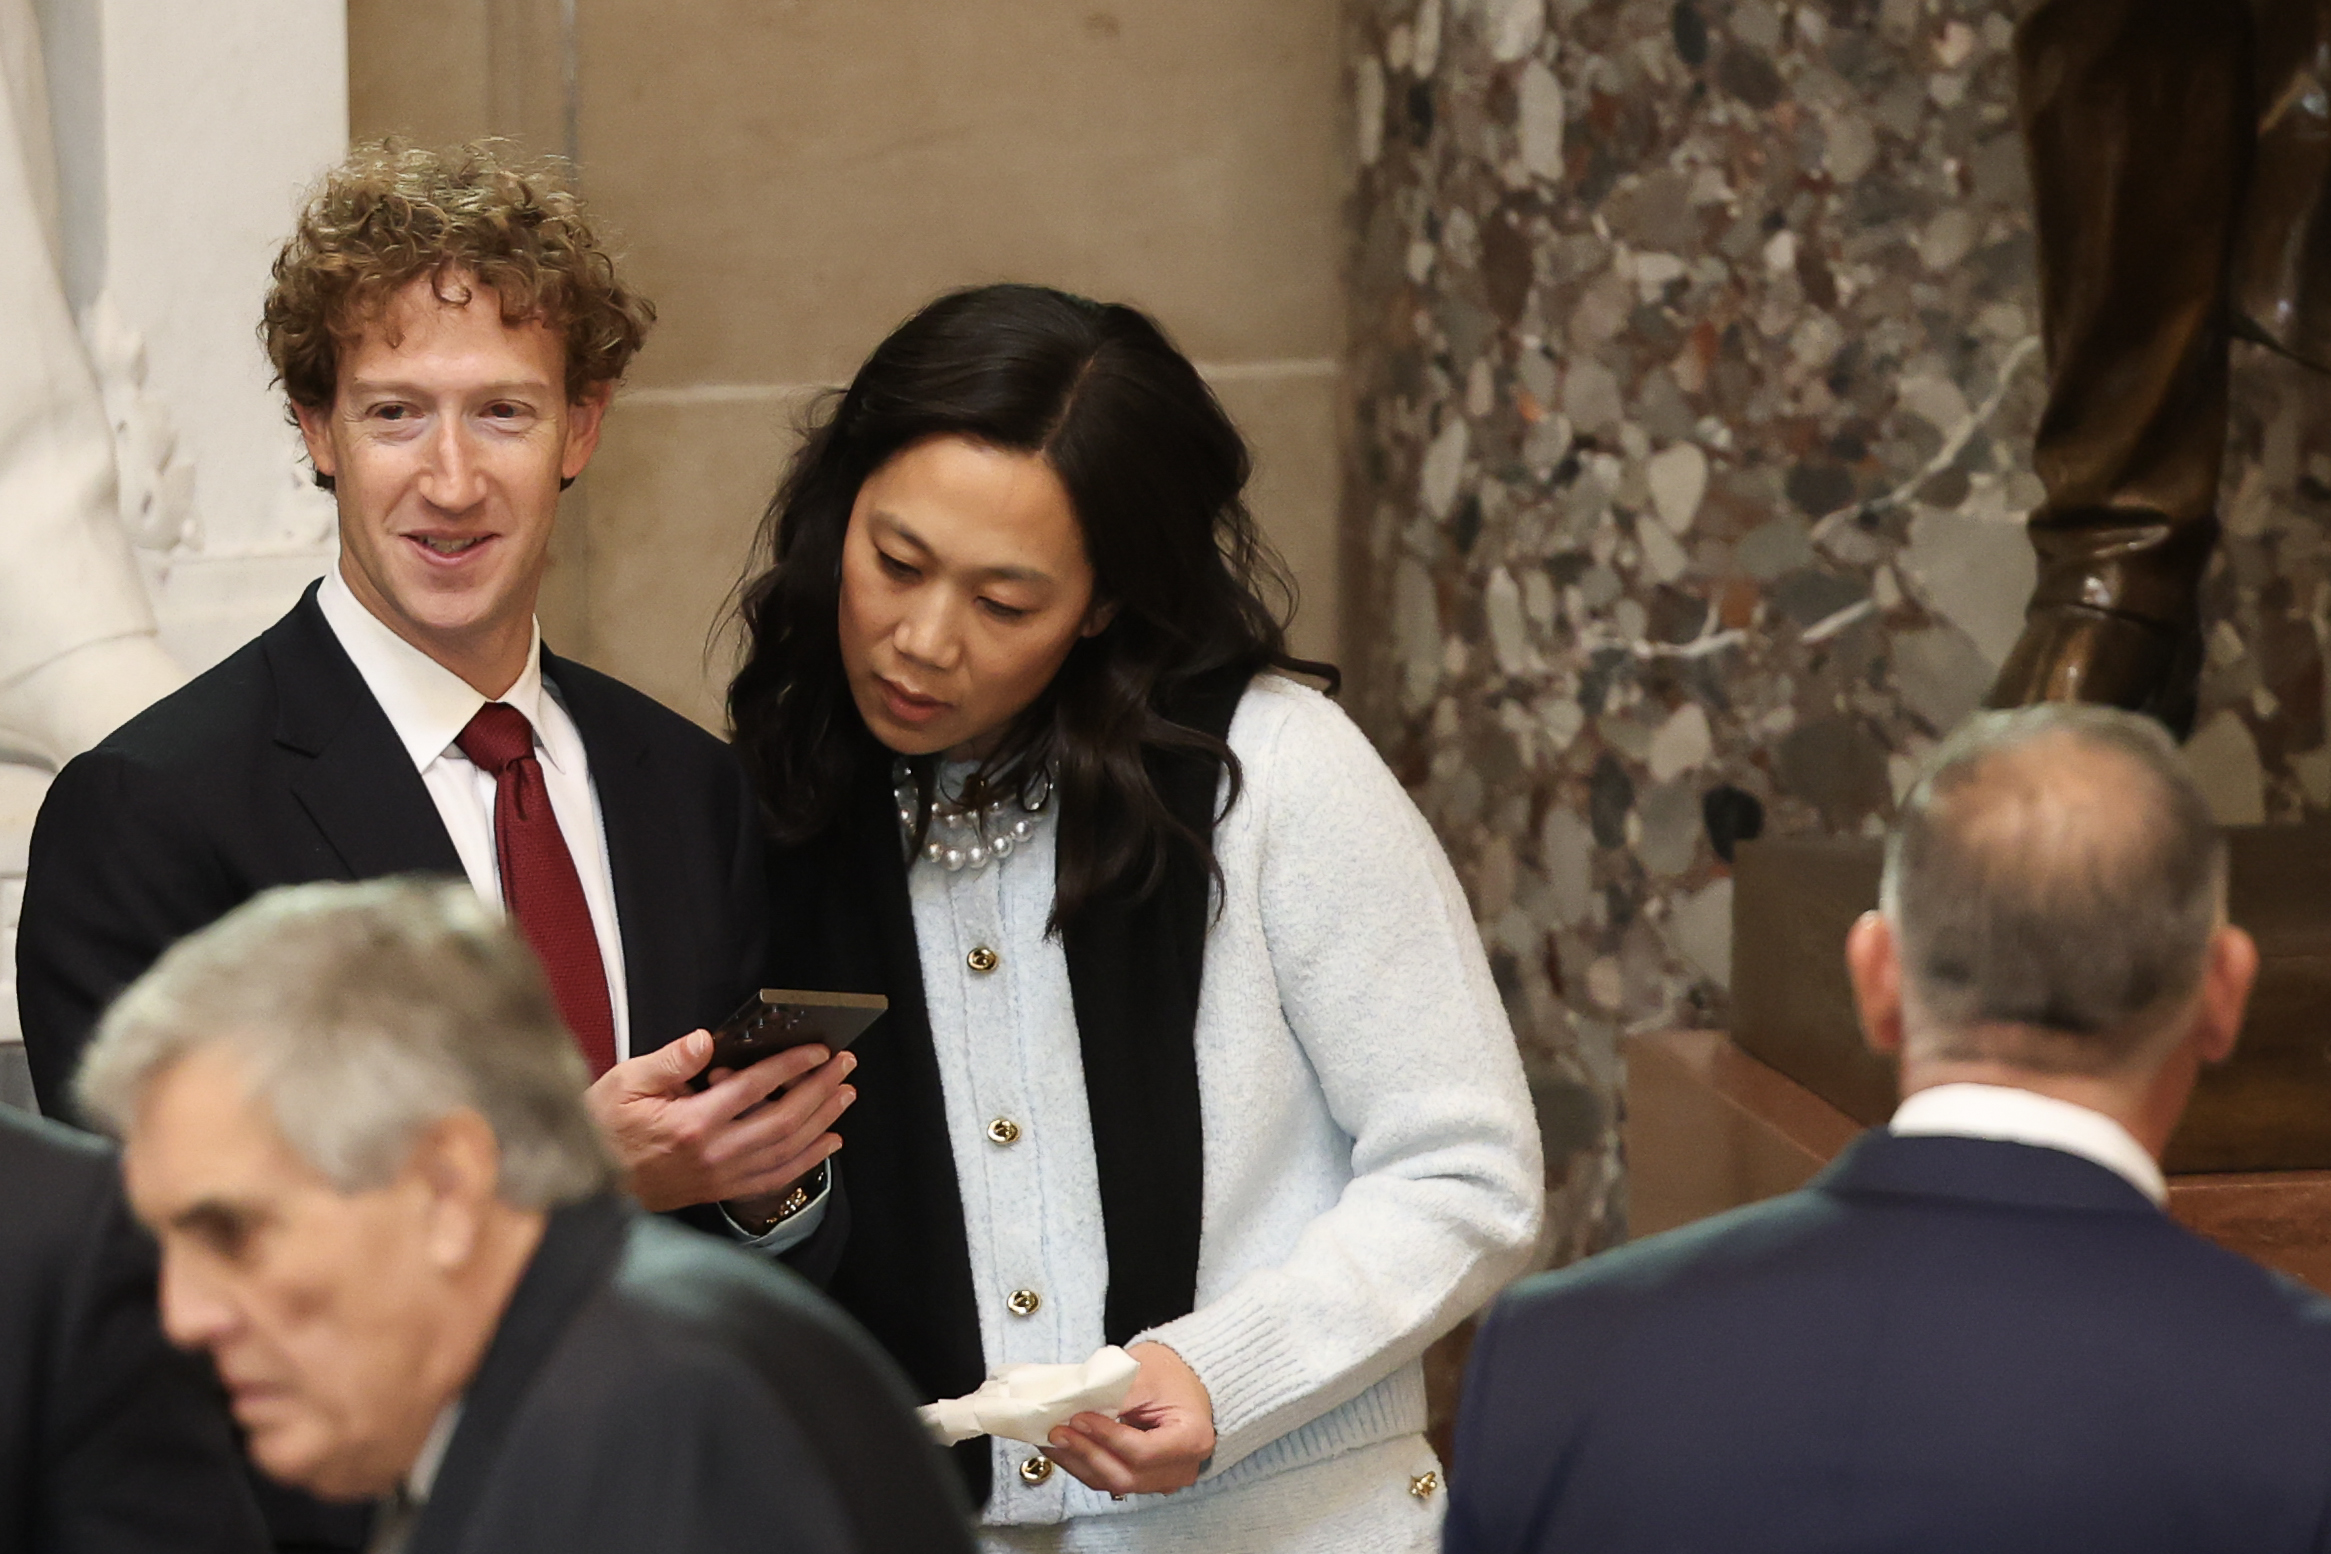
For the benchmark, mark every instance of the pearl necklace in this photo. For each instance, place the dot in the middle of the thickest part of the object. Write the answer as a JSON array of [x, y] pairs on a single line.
[[959, 838]]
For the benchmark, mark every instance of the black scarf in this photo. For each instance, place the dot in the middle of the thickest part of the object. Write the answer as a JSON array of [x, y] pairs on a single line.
[[845, 922]]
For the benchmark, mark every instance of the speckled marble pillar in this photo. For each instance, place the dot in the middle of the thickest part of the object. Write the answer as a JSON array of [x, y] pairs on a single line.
[[1693, 373]]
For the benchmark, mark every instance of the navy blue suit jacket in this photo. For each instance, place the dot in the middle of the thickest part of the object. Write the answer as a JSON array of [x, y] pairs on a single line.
[[1941, 1344]]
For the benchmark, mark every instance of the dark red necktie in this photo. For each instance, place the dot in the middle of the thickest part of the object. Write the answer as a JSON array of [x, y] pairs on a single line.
[[539, 884]]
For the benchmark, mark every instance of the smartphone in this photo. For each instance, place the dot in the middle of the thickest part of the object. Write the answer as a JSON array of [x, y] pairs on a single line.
[[783, 1018]]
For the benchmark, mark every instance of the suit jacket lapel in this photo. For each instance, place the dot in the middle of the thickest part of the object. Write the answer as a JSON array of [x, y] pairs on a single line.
[[358, 783], [640, 848], [581, 1245]]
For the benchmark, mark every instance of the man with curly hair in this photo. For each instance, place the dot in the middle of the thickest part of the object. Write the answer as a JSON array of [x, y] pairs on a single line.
[[449, 329]]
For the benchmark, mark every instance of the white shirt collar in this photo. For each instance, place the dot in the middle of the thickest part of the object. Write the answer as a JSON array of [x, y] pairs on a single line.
[[423, 1477], [427, 704], [2027, 1117]]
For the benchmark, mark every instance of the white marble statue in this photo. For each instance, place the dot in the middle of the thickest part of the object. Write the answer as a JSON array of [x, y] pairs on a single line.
[[79, 650], [154, 513]]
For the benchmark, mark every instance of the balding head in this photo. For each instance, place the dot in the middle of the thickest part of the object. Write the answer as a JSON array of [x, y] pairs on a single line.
[[2054, 883]]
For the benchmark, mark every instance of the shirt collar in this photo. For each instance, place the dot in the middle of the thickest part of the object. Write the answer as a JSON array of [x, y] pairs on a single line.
[[2026, 1117], [423, 1477], [427, 704]]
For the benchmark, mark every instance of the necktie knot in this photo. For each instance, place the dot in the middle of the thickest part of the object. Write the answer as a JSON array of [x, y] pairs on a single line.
[[497, 738]]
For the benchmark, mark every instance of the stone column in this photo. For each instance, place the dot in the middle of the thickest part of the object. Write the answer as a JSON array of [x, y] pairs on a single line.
[[1693, 369], [1694, 373]]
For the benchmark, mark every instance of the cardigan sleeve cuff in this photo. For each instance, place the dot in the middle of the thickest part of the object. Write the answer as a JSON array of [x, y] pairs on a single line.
[[1253, 1375]]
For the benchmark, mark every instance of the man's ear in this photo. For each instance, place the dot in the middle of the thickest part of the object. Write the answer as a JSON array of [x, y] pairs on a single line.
[[2227, 976], [315, 429], [1873, 961], [585, 417], [457, 1166]]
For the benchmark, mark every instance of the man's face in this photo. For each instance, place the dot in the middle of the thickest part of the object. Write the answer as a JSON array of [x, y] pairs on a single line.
[[325, 1312], [447, 441]]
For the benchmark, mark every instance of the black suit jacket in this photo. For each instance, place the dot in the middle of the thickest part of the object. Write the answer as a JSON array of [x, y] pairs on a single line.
[[651, 1390], [111, 1442], [278, 767], [1942, 1344]]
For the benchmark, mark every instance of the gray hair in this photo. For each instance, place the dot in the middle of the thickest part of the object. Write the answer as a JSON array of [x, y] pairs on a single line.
[[2054, 882], [365, 1013]]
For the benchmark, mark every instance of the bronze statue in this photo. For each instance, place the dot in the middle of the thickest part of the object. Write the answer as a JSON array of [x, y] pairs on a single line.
[[2180, 152]]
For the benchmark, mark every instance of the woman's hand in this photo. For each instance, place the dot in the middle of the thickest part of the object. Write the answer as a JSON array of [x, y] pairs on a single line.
[[1160, 1441]]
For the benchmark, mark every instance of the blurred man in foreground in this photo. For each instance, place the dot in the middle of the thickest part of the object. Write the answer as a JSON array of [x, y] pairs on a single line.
[[110, 1443], [353, 1118], [1977, 1329]]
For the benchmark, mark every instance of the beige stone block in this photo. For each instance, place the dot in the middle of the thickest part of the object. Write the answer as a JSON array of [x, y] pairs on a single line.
[[793, 177], [441, 72], [1287, 411], [418, 68], [670, 507]]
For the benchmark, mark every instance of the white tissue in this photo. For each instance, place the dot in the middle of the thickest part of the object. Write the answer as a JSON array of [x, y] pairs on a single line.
[[1027, 1402]]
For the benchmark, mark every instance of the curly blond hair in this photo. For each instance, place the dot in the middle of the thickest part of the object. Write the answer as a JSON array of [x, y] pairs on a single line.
[[476, 214]]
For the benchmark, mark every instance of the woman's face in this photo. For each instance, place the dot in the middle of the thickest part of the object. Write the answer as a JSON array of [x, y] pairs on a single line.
[[964, 586]]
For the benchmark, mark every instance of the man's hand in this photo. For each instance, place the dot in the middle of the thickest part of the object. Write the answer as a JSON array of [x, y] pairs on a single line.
[[731, 1141], [1157, 1443]]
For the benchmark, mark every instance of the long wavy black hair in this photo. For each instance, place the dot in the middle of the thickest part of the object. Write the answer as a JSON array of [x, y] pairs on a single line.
[[1155, 473]]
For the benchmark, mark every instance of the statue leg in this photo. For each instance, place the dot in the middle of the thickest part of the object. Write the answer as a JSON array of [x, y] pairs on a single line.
[[78, 652], [2282, 289], [2139, 122]]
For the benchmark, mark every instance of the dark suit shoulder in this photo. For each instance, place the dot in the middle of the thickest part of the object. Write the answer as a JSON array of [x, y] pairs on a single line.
[[221, 713], [645, 1426], [702, 1399], [1735, 1241], [109, 1438], [1785, 1238], [713, 1306], [32, 1145], [591, 693], [56, 1177], [688, 1283]]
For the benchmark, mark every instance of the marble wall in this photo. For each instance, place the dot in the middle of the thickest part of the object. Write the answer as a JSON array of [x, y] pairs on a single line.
[[1692, 378]]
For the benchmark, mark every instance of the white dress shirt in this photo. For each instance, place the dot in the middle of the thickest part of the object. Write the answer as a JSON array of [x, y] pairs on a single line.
[[2027, 1117], [429, 705], [393, 1522]]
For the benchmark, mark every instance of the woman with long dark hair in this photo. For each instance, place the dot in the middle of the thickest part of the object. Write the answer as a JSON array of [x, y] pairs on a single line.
[[1191, 1044]]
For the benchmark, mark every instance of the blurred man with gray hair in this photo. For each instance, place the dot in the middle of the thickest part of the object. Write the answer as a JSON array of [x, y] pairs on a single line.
[[353, 1119], [1977, 1329]]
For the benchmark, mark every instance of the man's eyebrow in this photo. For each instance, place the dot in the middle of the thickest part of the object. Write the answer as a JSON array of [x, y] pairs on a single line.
[[895, 526], [214, 1214], [482, 391]]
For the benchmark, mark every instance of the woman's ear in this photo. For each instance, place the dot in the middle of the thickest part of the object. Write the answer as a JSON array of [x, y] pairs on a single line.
[[1098, 617]]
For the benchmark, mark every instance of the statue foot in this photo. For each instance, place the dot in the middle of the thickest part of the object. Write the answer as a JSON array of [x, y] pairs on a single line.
[[2070, 652], [70, 703]]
